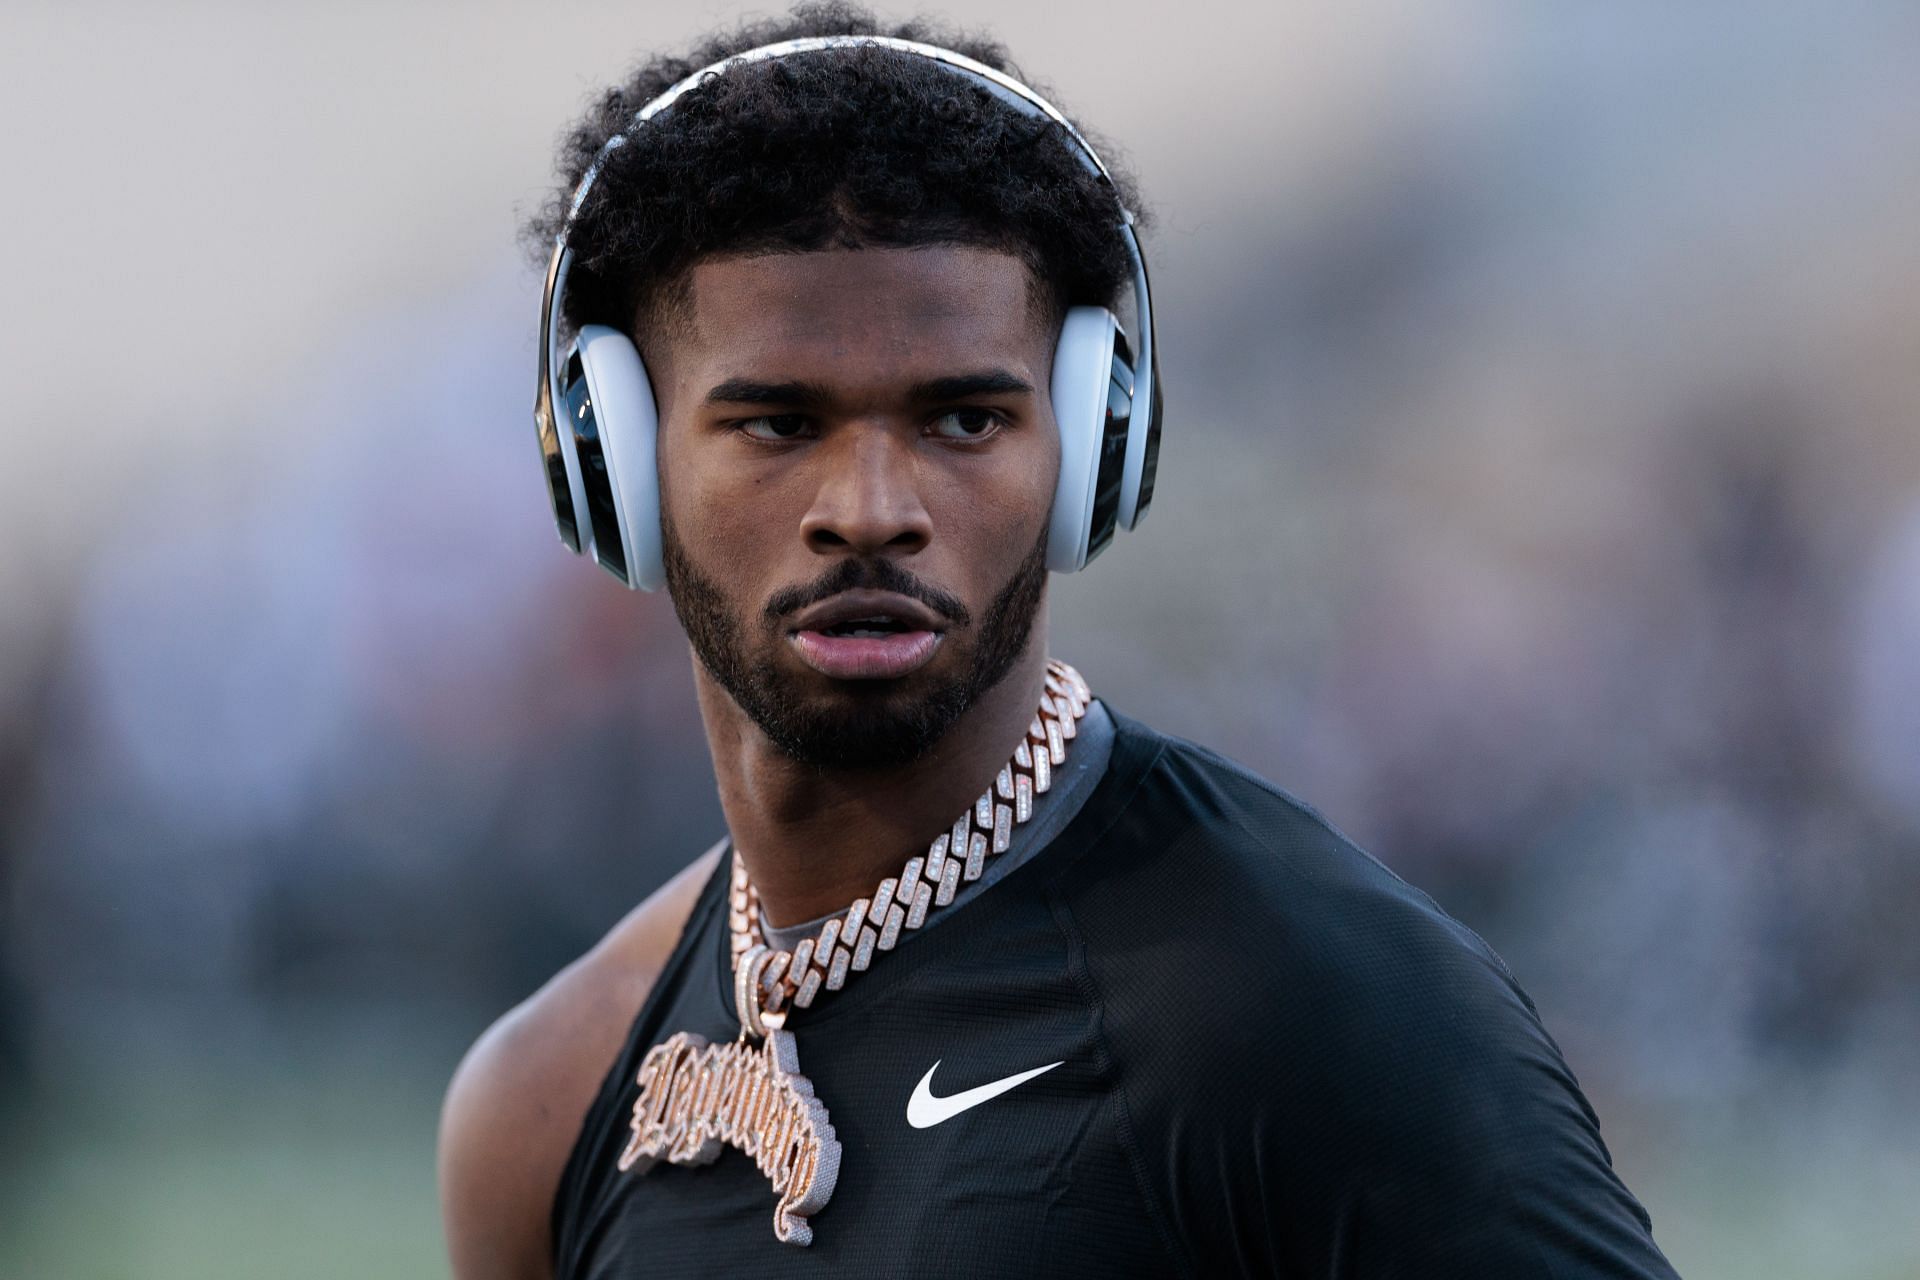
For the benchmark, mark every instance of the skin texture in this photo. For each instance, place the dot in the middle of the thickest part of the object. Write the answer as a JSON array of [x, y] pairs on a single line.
[[874, 483], [872, 474]]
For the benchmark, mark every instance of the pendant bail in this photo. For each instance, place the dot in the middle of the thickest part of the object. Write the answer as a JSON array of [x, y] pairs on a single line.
[[746, 988]]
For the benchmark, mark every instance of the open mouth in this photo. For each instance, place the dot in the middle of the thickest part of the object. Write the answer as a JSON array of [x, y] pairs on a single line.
[[868, 628], [866, 635]]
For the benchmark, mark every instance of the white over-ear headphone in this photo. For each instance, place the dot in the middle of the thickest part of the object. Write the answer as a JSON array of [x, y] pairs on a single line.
[[601, 461]]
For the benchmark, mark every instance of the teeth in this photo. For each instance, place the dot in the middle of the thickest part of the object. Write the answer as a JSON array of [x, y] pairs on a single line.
[[867, 628]]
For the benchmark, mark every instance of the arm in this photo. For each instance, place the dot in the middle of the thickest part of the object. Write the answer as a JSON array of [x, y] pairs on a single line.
[[1475, 1153], [1379, 1097], [517, 1100], [1406, 1116]]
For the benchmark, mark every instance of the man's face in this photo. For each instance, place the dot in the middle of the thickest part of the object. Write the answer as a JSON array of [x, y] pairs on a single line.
[[857, 458]]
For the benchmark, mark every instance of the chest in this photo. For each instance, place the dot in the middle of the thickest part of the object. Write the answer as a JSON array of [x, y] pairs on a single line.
[[981, 1133]]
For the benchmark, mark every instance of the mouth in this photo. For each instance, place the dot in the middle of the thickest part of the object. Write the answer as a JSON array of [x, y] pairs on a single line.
[[864, 635]]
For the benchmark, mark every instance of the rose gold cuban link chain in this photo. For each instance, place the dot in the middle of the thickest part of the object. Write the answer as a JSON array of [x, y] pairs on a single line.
[[846, 943]]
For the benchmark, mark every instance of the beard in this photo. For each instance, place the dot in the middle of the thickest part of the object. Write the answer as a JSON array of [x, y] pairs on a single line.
[[862, 725]]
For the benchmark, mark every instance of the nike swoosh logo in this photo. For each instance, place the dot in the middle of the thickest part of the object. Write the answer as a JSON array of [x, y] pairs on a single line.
[[925, 1111]]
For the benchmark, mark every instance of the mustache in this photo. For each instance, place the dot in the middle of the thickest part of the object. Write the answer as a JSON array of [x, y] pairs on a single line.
[[868, 575]]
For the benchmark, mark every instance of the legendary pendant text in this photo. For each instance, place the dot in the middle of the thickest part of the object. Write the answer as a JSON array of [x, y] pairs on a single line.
[[696, 1097]]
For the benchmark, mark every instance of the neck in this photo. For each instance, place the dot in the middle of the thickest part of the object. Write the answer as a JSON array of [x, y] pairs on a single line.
[[815, 840]]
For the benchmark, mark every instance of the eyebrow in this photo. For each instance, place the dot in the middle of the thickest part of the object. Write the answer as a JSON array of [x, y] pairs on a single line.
[[987, 382], [806, 395], [811, 395]]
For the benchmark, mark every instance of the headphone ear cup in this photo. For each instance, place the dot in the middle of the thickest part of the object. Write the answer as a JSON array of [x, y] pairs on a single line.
[[1082, 360], [628, 428]]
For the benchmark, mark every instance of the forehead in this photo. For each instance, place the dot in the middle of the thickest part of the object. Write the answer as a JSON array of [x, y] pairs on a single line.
[[902, 308]]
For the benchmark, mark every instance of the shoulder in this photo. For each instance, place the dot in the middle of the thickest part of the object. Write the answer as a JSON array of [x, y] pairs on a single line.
[[1226, 866], [516, 1102], [1268, 924], [1365, 1053]]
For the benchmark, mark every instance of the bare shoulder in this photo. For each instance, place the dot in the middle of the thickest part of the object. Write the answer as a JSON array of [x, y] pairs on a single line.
[[518, 1098]]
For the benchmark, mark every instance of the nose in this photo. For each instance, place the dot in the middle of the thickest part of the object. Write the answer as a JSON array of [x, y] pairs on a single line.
[[868, 502]]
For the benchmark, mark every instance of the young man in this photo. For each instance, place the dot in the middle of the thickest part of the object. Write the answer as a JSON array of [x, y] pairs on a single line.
[[986, 979]]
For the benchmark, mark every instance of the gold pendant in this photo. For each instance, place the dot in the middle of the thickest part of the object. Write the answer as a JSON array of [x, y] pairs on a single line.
[[696, 1097]]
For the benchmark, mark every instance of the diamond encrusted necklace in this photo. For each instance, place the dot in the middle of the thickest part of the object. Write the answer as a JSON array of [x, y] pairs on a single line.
[[696, 1097]]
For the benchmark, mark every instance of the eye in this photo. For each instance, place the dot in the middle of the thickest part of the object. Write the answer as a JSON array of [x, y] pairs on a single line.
[[966, 424], [773, 427]]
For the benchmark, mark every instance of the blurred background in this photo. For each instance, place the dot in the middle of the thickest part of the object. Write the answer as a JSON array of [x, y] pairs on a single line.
[[1541, 501]]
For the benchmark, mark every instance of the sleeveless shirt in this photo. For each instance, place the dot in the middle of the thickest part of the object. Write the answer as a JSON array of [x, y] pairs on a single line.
[[1275, 1057]]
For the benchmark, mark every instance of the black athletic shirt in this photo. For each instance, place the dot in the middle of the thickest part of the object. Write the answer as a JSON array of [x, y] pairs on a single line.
[[1278, 1059]]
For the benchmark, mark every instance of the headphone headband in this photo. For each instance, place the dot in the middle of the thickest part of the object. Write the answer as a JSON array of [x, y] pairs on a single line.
[[998, 83]]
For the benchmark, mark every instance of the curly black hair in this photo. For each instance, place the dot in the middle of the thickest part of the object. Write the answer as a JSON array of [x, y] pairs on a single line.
[[855, 147]]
